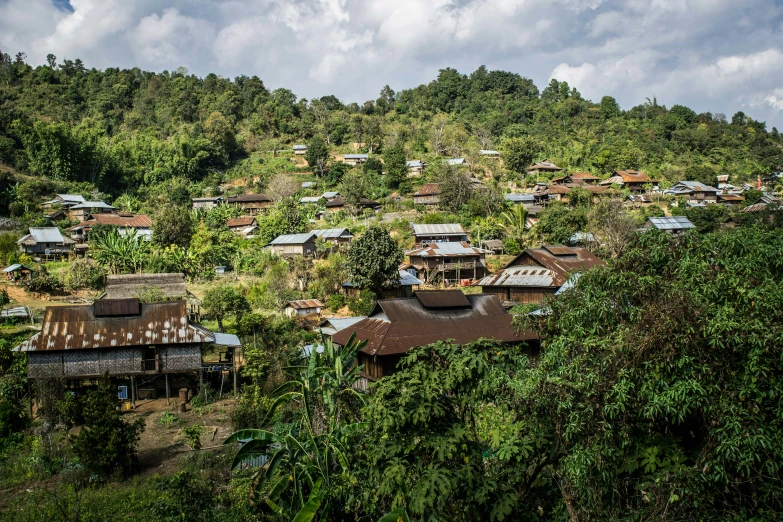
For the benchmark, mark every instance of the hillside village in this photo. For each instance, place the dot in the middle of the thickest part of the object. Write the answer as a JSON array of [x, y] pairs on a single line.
[[295, 288]]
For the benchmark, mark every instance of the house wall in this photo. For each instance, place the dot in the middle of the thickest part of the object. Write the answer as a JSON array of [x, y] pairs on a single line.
[[291, 249], [117, 361], [40, 248], [435, 238], [376, 366], [426, 200], [520, 294]]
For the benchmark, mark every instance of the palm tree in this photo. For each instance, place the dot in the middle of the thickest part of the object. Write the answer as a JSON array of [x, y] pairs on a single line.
[[312, 458], [515, 221]]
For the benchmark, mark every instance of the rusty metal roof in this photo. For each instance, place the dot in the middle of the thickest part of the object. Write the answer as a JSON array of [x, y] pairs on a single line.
[[428, 189], [397, 325], [249, 198], [536, 276], [561, 262], [77, 328], [244, 221], [442, 298], [304, 304]]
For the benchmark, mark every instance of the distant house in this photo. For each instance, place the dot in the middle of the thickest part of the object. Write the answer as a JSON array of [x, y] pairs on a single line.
[[334, 235], [557, 192], [543, 167], [47, 241], [356, 159], [732, 200], [671, 225], [253, 204], [494, 245], [17, 272], [694, 192], [328, 196], [537, 273], [396, 326], [83, 211], [243, 226], [66, 201], [767, 202], [338, 203], [333, 325], [449, 232], [489, 154], [308, 184], [293, 244], [310, 200], [404, 287], [639, 201], [415, 167], [520, 199], [303, 308], [584, 178], [633, 180], [428, 194], [123, 221], [455, 161], [448, 262], [300, 150], [206, 202]]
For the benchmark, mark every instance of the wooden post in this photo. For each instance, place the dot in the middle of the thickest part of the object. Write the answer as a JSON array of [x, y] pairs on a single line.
[[133, 391], [234, 358], [201, 380], [168, 390]]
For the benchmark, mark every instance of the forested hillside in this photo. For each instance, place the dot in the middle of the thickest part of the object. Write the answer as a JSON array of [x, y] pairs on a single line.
[[125, 130]]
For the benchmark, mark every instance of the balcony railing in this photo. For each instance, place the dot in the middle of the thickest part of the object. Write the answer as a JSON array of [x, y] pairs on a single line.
[[148, 365]]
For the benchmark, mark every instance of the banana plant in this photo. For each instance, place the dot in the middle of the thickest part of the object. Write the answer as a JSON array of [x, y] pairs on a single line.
[[312, 458]]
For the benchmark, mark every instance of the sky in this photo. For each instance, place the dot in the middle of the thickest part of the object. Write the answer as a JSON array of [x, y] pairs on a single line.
[[721, 56]]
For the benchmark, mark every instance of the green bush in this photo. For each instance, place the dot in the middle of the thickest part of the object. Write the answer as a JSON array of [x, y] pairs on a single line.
[[45, 283], [84, 273], [251, 408], [363, 304], [12, 419], [204, 396], [336, 302]]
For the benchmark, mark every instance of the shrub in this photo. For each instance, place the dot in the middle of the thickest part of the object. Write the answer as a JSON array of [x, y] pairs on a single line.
[[193, 435], [84, 273], [363, 304], [12, 419], [251, 408], [336, 302], [167, 419], [44, 283]]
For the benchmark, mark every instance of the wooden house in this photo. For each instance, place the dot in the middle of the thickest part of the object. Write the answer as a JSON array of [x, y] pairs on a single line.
[[633, 180], [293, 245], [694, 192], [300, 150], [303, 308], [243, 226], [123, 221], [543, 167], [521, 199], [64, 201], [427, 195], [448, 262], [18, 272], [537, 273], [47, 241], [395, 326], [253, 204], [356, 159], [443, 233], [732, 200], [206, 202], [415, 167], [84, 211]]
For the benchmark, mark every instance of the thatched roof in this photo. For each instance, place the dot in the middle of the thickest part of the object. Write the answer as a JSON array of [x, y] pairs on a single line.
[[172, 286]]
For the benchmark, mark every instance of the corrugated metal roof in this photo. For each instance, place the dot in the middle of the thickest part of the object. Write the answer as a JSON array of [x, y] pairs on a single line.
[[332, 233], [446, 229], [397, 325], [689, 186], [414, 163], [244, 221], [408, 279], [489, 152], [543, 165], [520, 198], [304, 304], [330, 194], [451, 249], [14, 267], [310, 199], [428, 189], [224, 339], [293, 239], [77, 328], [71, 197], [671, 223], [442, 298], [455, 161], [356, 156], [562, 265], [249, 198], [116, 220], [308, 184], [46, 235], [93, 204], [300, 147], [341, 323], [521, 276]]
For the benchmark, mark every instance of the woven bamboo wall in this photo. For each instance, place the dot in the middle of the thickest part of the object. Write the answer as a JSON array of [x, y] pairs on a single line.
[[41, 365], [181, 358]]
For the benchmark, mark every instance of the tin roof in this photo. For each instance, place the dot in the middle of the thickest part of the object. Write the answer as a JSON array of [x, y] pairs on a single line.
[[451, 249], [77, 328], [414, 163], [520, 198], [304, 304], [300, 147], [332, 233], [330, 194], [93, 204], [489, 152], [293, 239], [334, 324], [544, 165], [397, 325], [45, 235], [310, 199], [686, 187], [428, 189], [14, 268], [308, 184], [670, 223], [520, 276], [116, 220], [356, 156], [249, 198], [71, 197], [561, 260], [442, 298], [455, 161], [445, 229], [731, 197]]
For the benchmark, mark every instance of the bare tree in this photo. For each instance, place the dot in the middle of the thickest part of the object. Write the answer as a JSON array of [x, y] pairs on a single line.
[[281, 187], [612, 228]]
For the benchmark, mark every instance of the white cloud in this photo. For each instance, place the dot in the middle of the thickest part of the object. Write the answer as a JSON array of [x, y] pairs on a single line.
[[171, 39]]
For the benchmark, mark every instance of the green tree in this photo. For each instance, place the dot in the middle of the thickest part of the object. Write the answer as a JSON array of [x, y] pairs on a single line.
[[519, 153], [106, 445], [395, 165], [557, 223], [455, 190], [223, 301], [317, 155], [609, 107], [172, 225], [373, 260]]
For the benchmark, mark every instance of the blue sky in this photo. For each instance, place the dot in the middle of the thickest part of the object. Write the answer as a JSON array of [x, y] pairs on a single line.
[[712, 55]]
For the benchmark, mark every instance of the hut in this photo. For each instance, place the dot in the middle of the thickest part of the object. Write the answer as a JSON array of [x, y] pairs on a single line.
[[46, 241], [294, 244], [18, 272], [438, 233], [303, 308], [427, 195], [253, 204]]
